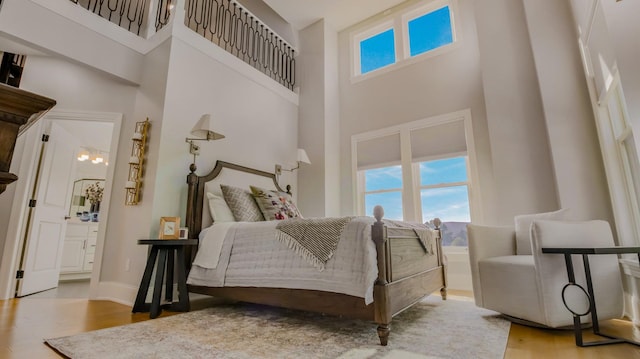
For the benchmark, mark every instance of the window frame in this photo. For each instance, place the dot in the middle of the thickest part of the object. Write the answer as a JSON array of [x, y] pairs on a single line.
[[369, 33], [362, 186], [411, 189], [398, 20], [420, 187], [424, 10]]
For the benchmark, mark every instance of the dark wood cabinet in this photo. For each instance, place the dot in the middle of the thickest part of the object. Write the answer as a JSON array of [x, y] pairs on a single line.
[[19, 109]]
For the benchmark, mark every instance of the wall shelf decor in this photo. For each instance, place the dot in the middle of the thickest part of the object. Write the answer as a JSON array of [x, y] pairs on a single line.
[[136, 163]]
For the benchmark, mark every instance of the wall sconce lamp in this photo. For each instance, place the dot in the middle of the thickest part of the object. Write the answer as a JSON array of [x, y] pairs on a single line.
[[302, 157], [203, 130]]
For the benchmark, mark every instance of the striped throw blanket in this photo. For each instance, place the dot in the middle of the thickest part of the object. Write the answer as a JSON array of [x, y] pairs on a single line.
[[315, 239], [426, 235]]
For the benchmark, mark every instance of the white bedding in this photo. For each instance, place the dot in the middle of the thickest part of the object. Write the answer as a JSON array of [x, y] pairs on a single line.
[[247, 254]]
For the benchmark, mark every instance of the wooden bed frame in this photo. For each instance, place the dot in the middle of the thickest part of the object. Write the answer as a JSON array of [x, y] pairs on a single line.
[[406, 273]]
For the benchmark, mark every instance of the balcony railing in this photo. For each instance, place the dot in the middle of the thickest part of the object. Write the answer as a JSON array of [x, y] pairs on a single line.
[[236, 30], [129, 14], [223, 22]]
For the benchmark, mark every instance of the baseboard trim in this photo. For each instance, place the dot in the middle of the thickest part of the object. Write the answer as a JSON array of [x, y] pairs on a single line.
[[116, 292]]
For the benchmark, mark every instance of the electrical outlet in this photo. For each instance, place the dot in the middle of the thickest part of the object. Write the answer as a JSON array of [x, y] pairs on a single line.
[[127, 265]]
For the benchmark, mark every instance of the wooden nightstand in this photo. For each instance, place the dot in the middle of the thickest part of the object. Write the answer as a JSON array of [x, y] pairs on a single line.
[[164, 251]]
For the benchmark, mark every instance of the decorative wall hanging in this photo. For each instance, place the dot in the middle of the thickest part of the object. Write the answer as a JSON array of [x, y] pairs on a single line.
[[136, 163]]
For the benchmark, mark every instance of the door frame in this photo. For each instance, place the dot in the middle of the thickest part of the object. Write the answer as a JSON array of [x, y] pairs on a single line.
[[31, 144]]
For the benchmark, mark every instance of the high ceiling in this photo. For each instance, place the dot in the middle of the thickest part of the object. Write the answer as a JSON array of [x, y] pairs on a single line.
[[339, 13]]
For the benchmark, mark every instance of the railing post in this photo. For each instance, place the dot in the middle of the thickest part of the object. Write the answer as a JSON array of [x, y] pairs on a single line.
[[178, 13], [152, 12]]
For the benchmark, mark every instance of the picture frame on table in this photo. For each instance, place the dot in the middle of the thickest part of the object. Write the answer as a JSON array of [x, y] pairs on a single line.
[[184, 233], [169, 228]]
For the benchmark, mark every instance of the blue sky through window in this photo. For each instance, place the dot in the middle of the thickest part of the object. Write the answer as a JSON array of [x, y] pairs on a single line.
[[390, 201], [377, 51], [443, 171], [451, 204], [430, 31], [383, 178]]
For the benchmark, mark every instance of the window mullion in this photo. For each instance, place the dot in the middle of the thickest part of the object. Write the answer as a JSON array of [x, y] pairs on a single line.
[[447, 184], [408, 186]]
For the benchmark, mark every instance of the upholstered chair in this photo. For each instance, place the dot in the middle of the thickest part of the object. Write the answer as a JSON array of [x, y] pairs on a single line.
[[527, 288]]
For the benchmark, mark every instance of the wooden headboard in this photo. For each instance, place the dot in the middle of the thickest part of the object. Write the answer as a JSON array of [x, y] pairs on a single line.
[[197, 212]]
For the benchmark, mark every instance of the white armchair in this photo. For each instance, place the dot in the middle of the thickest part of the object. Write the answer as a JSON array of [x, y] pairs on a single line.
[[528, 287]]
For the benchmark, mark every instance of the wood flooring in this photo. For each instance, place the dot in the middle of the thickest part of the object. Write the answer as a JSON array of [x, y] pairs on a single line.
[[24, 323]]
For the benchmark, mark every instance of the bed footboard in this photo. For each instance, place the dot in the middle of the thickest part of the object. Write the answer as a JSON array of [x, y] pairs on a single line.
[[406, 272]]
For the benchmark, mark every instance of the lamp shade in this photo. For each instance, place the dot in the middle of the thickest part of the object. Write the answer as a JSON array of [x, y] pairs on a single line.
[[302, 156], [204, 129]]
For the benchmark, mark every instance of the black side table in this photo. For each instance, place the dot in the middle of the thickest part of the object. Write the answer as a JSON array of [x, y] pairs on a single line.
[[166, 249], [585, 252]]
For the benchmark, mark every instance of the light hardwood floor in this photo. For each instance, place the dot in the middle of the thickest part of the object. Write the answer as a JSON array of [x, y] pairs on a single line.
[[24, 323]]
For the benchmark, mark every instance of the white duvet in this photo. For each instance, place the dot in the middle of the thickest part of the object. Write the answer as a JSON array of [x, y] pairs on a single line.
[[247, 254]]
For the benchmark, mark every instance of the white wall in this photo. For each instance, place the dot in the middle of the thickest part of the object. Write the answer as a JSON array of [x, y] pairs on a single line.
[[438, 85], [260, 126], [522, 169], [41, 28], [319, 183], [127, 224], [177, 84], [311, 136], [609, 31], [623, 28], [573, 140]]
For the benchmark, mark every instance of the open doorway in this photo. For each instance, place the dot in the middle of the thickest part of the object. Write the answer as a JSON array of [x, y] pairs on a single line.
[[69, 178], [93, 139]]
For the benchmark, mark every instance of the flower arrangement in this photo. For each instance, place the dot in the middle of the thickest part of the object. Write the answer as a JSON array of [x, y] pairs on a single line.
[[94, 193]]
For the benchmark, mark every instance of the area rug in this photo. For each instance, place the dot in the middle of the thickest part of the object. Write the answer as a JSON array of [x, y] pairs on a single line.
[[432, 328]]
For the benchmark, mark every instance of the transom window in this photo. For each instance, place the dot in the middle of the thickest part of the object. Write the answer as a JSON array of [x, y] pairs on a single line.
[[403, 36], [377, 51], [430, 31]]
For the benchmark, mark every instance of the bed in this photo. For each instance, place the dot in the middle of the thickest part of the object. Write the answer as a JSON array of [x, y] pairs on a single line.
[[406, 267]]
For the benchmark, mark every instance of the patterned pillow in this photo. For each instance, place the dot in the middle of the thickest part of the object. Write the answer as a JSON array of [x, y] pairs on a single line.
[[275, 205], [242, 204]]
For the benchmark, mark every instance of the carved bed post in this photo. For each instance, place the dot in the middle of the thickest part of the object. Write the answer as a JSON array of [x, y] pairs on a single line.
[[381, 291], [442, 260], [192, 182]]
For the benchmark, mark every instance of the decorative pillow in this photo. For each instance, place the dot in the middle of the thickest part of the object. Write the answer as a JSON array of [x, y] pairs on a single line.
[[220, 211], [242, 204], [275, 205], [523, 226]]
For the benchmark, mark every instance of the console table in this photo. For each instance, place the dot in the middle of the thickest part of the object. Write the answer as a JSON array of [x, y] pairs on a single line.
[[585, 253], [164, 250]]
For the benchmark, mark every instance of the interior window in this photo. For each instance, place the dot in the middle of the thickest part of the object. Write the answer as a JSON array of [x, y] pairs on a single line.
[[377, 51], [444, 193], [383, 186], [400, 37], [430, 31]]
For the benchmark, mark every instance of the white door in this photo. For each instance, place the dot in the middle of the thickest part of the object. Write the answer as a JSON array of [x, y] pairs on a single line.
[[45, 238]]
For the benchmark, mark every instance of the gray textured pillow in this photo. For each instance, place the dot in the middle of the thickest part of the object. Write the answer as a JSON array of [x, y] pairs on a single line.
[[242, 204]]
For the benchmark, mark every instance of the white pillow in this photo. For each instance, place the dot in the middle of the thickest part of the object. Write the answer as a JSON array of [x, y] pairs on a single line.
[[220, 211], [523, 226]]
